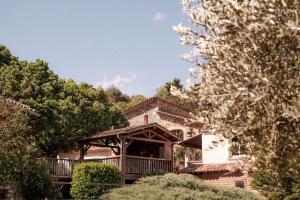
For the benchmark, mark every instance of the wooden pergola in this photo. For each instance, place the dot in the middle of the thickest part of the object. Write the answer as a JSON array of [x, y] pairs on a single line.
[[137, 151]]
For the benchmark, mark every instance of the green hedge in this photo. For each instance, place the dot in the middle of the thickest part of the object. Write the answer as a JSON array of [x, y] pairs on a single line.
[[179, 187], [91, 180]]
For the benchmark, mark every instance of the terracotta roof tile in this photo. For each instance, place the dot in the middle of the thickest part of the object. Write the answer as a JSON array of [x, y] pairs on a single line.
[[151, 100], [214, 167], [20, 105]]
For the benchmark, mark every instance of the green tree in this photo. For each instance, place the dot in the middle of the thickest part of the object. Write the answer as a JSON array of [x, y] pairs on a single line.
[[18, 151], [16, 145], [115, 95], [68, 110], [248, 66], [165, 92], [134, 100]]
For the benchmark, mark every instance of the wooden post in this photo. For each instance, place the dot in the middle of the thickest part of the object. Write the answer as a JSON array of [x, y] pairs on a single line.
[[122, 158]]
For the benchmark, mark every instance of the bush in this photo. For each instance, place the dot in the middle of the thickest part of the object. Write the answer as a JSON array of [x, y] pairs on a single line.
[[290, 186], [179, 187], [91, 180], [34, 182]]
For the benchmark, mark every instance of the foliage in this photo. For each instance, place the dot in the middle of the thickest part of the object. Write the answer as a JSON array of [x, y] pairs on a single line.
[[179, 153], [247, 57], [15, 142], [115, 95], [165, 93], [68, 110], [91, 180], [35, 182], [263, 181], [172, 186], [134, 100], [17, 154]]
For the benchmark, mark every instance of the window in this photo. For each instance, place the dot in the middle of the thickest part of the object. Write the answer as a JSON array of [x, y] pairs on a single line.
[[240, 184], [236, 147]]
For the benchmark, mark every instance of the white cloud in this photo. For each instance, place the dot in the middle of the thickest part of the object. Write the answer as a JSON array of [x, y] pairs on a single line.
[[118, 80], [159, 16]]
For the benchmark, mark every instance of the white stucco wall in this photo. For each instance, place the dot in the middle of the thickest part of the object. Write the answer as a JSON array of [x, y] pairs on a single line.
[[214, 152]]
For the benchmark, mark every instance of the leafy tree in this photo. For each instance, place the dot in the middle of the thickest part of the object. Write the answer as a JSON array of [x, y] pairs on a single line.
[[247, 57], [68, 110], [15, 142], [115, 95], [17, 154], [132, 102], [165, 92]]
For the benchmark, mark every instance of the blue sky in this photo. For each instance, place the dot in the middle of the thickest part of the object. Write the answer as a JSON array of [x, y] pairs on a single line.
[[129, 43]]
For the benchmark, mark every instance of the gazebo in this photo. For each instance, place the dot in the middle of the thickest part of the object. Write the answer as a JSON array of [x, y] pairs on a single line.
[[138, 150]]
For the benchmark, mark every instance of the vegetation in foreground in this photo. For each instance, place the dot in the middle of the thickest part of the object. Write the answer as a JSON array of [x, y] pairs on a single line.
[[179, 187], [18, 165], [91, 180], [247, 77]]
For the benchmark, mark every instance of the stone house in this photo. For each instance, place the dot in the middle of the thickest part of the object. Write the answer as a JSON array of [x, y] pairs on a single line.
[[217, 164], [175, 118]]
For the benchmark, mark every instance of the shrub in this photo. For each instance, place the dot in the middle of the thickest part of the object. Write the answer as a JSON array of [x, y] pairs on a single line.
[[263, 181], [34, 182], [91, 180], [179, 187]]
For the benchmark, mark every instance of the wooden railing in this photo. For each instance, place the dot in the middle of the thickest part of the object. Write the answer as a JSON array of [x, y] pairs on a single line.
[[114, 160], [144, 165], [130, 165], [60, 167]]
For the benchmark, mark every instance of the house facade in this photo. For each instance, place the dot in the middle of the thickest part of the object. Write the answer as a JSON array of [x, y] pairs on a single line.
[[219, 165], [154, 110], [216, 165]]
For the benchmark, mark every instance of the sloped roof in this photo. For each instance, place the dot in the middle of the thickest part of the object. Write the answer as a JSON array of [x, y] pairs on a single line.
[[123, 131], [194, 142], [20, 105], [149, 101], [214, 167]]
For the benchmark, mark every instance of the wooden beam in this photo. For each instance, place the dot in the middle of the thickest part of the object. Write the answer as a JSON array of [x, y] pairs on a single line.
[[127, 145], [116, 153], [143, 132], [145, 139], [101, 145], [163, 137]]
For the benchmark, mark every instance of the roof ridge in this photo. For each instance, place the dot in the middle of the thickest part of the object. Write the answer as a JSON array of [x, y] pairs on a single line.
[[19, 104], [152, 99]]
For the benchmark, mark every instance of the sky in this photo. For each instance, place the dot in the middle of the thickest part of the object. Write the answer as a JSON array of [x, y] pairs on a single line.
[[126, 43]]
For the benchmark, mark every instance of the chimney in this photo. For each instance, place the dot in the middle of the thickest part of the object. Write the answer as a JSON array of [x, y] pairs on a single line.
[[145, 119]]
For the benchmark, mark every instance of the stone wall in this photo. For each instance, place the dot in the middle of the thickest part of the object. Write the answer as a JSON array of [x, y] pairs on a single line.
[[8, 192], [153, 117], [233, 179]]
